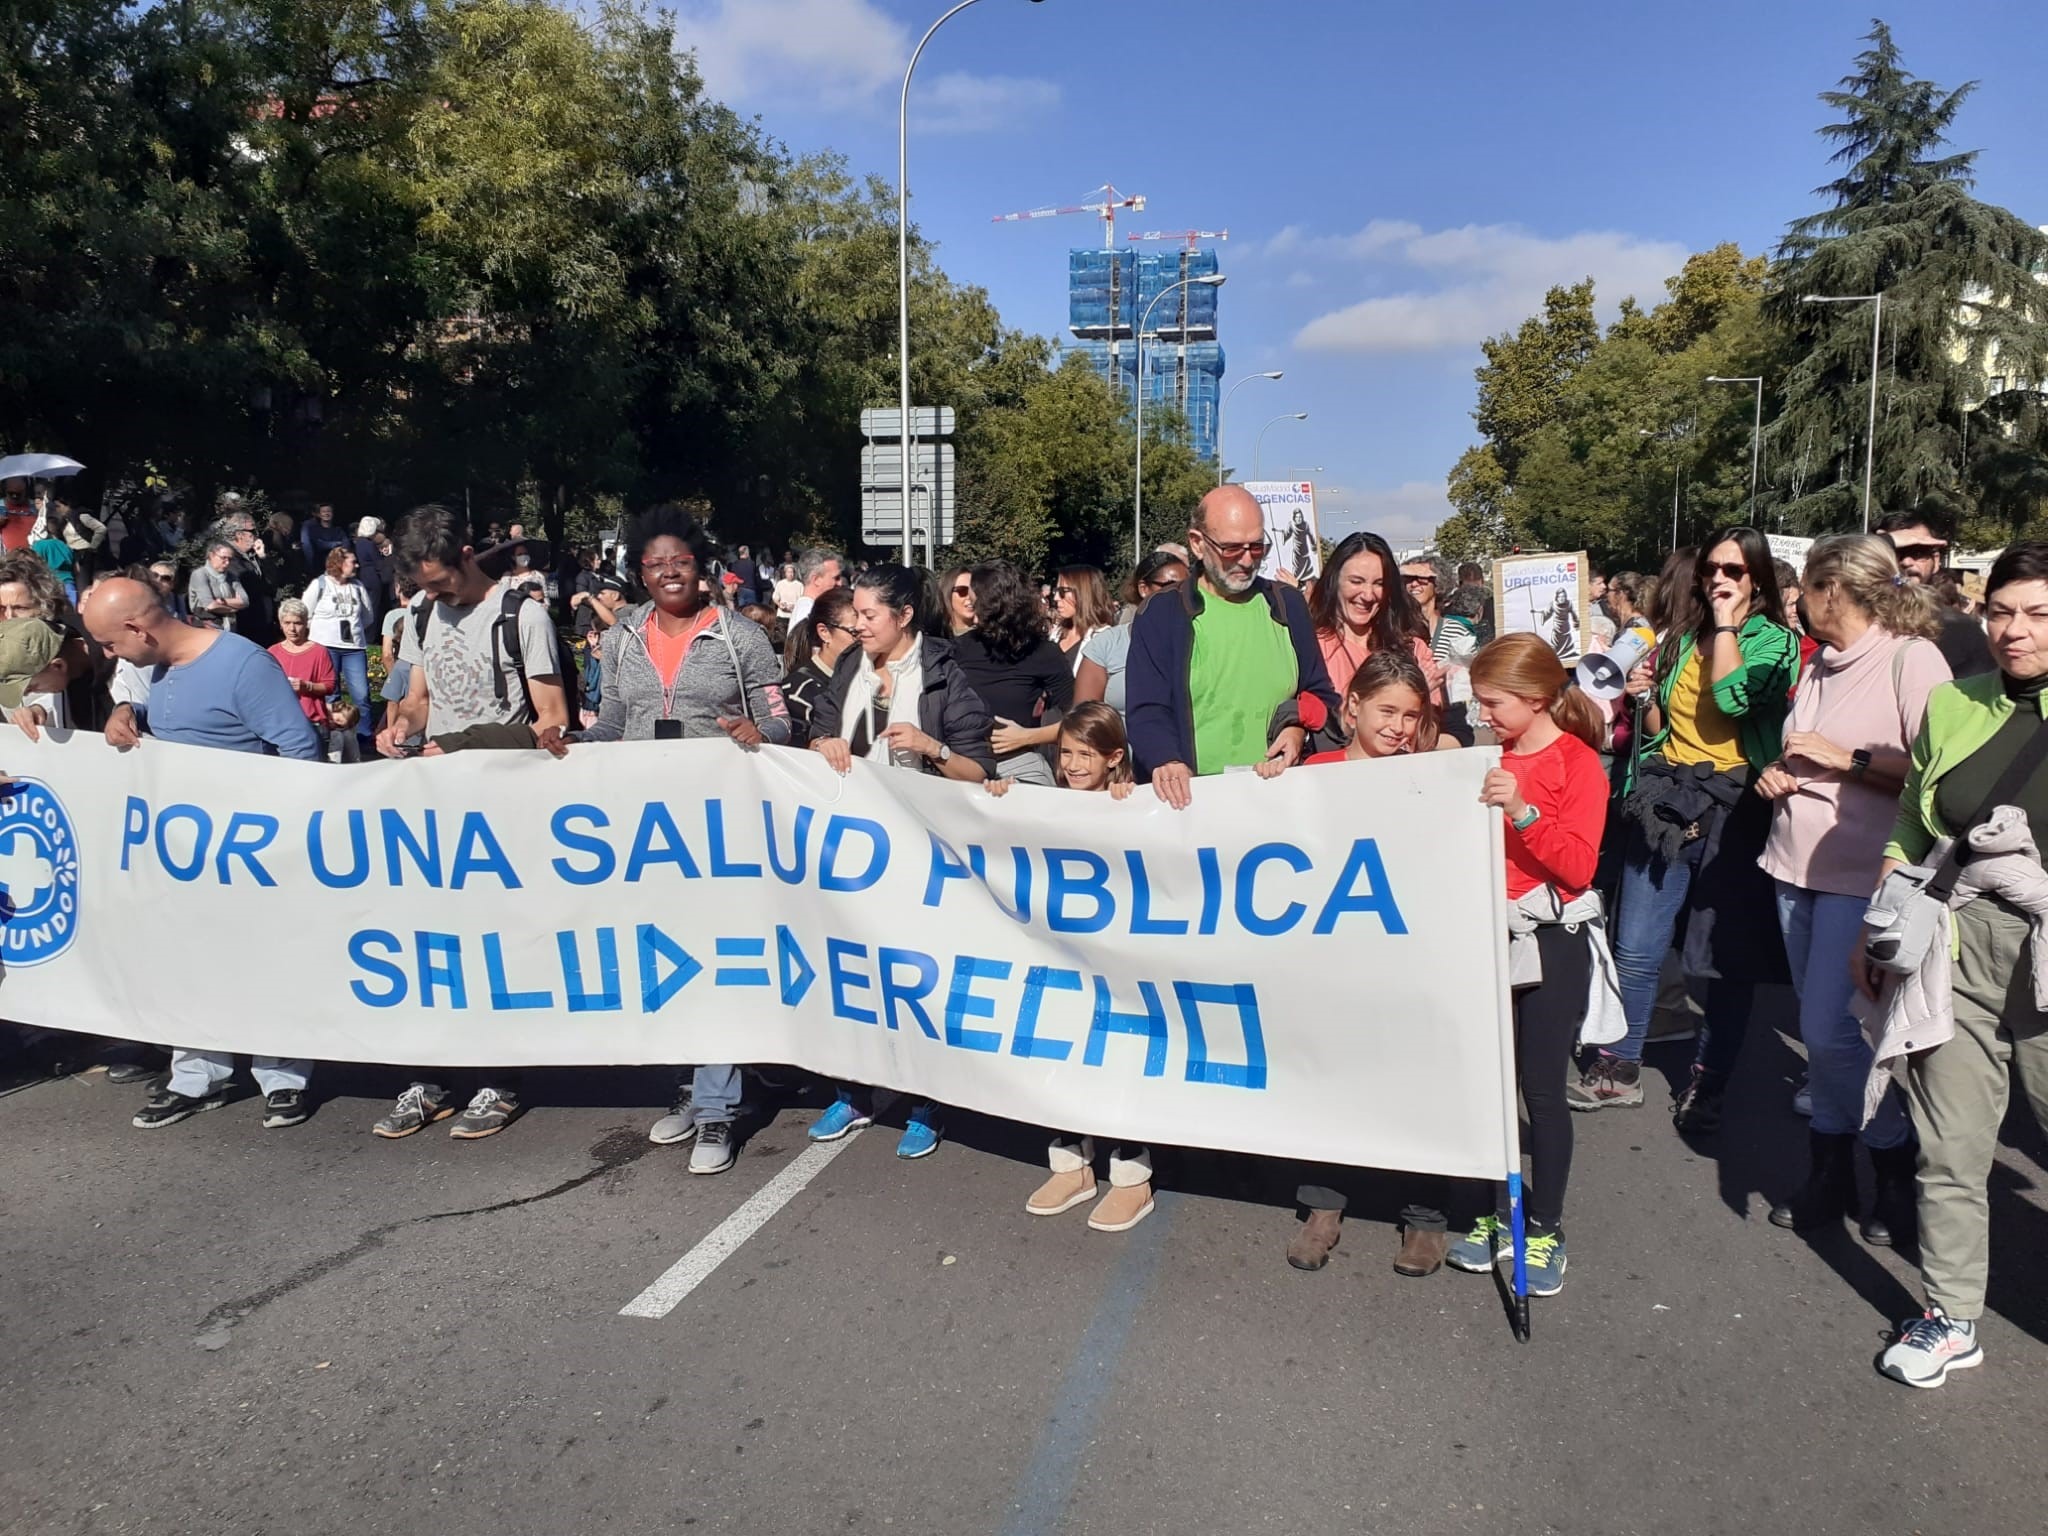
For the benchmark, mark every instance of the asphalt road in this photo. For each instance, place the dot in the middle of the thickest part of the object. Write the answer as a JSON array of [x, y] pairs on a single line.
[[217, 1329]]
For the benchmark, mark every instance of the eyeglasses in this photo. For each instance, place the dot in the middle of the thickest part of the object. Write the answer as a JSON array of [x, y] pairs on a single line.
[[674, 563], [1732, 572], [1234, 551], [844, 629], [1920, 551]]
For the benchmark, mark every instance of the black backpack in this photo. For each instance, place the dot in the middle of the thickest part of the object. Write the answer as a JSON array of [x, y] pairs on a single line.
[[505, 648]]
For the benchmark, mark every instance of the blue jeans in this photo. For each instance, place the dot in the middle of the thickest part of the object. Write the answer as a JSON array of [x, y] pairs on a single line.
[[1822, 929], [715, 1093], [352, 666], [1652, 905]]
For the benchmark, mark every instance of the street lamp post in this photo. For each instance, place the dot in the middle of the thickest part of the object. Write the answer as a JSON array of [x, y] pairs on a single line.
[[1756, 433], [1876, 301], [1240, 384], [1677, 466], [1212, 280], [907, 440], [1260, 441]]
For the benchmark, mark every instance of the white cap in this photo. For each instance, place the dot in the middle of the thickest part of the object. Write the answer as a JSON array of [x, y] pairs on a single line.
[[369, 527]]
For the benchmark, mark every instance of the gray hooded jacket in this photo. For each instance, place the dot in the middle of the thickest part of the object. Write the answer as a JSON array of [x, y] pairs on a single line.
[[730, 656]]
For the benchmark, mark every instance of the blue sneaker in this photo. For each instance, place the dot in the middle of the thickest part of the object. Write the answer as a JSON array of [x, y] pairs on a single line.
[[1477, 1250], [842, 1118], [921, 1136], [1544, 1265]]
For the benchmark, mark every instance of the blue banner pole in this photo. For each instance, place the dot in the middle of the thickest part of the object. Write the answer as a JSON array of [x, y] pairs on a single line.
[[1519, 1229]]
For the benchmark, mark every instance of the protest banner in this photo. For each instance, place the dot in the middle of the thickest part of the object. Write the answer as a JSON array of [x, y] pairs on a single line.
[[1288, 508], [1790, 548], [1545, 595], [1311, 966]]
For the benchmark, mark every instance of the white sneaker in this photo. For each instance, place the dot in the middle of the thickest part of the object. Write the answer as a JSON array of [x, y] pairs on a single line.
[[679, 1124], [714, 1152], [1930, 1346]]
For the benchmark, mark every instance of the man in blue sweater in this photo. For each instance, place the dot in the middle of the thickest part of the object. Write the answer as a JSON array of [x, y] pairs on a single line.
[[207, 688]]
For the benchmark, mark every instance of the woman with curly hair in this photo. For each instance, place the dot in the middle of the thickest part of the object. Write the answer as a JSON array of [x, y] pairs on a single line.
[[1019, 674]]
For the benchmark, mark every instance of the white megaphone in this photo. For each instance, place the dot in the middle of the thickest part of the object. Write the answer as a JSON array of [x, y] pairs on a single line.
[[1602, 674]]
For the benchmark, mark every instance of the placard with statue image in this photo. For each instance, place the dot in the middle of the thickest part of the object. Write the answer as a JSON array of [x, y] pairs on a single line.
[[1546, 595], [1293, 537]]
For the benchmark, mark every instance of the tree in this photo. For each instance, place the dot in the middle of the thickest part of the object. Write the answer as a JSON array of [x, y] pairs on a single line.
[[1961, 301]]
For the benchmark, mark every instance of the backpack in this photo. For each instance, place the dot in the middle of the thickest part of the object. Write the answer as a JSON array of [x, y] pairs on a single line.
[[505, 647]]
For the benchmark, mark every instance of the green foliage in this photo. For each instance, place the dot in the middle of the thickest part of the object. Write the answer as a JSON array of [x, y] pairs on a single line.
[[504, 253], [1583, 439]]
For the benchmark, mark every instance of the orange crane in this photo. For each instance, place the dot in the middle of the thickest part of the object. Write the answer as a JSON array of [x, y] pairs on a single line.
[[1193, 237], [1108, 200]]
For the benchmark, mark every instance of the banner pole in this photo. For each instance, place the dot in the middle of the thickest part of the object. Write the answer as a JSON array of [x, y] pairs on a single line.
[[1510, 1105]]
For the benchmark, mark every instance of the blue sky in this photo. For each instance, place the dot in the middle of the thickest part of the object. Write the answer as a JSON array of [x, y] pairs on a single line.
[[1398, 181]]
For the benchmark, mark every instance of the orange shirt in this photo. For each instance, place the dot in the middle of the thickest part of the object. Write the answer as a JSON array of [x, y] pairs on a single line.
[[667, 651]]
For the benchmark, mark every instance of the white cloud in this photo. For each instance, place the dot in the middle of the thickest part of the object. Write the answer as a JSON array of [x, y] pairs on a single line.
[[842, 55], [1404, 515], [1455, 287]]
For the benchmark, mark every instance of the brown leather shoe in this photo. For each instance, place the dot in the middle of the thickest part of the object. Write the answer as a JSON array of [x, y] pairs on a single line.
[[1422, 1253], [1318, 1235]]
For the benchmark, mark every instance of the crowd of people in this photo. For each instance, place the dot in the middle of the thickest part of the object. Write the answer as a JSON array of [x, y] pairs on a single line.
[[1787, 745]]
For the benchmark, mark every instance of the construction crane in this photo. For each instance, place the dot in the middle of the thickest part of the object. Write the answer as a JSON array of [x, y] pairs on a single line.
[[1109, 200], [1193, 237]]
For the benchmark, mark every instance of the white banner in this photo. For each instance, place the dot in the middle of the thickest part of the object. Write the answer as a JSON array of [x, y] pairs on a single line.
[[1789, 548], [1311, 966]]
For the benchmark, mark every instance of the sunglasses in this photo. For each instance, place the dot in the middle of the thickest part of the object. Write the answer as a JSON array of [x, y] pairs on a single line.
[[1170, 584], [1255, 547], [1418, 579], [1063, 592], [963, 591], [1921, 551], [1732, 572]]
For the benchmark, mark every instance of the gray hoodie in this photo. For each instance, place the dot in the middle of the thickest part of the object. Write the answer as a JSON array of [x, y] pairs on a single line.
[[707, 686]]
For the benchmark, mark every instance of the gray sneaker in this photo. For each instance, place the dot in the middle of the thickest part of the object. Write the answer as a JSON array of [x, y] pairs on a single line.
[[1607, 1083], [1543, 1264], [679, 1124], [420, 1105], [1929, 1347], [714, 1152], [488, 1113]]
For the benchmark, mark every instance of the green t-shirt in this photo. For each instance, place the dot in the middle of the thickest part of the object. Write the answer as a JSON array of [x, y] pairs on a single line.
[[1241, 670]]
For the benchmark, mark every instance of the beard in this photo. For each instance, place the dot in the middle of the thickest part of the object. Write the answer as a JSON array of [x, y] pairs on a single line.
[[1228, 578]]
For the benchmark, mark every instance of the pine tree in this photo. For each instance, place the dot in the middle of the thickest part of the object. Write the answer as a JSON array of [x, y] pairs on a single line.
[[1961, 303]]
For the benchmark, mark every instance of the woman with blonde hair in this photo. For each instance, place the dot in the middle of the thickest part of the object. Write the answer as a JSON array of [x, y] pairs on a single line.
[[1834, 791]]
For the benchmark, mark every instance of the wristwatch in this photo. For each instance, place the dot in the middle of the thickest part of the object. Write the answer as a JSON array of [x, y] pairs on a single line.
[[945, 754], [1859, 762], [1527, 820]]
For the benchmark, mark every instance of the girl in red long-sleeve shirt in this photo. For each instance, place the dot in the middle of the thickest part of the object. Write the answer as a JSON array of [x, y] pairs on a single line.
[[1551, 790]]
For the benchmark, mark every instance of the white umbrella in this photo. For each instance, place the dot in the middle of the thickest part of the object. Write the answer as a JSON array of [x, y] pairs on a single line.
[[37, 466]]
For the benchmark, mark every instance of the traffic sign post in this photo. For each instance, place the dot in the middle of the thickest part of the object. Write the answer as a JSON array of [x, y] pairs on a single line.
[[931, 488]]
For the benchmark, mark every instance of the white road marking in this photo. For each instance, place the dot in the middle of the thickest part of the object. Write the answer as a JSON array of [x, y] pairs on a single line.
[[696, 1266]]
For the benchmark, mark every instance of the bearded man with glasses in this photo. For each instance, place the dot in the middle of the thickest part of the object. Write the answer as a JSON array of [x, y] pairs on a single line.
[[1921, 543], [1215, 669]]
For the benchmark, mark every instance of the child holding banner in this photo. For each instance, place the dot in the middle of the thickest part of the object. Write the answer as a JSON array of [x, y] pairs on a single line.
[[1553, 792], [1094, 756], [1386, 713]]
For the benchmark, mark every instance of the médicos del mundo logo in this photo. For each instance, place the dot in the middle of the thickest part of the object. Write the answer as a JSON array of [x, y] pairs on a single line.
[[38, 874]]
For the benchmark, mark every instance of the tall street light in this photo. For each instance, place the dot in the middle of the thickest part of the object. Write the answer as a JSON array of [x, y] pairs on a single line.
[[1876, 301], [1756, 433], [1677, 466], [1213, 280], [907, 441], [1240, 384], [1260, 441]]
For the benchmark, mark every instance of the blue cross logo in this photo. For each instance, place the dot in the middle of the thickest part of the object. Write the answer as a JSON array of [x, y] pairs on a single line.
[[38, 875]]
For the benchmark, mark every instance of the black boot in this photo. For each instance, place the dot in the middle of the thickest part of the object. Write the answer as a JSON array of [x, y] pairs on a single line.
[[1698, 1109], [1892, 1216], [1830, 1190]]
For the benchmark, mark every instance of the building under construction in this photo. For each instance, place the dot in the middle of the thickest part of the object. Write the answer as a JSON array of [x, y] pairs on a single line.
[[1110, 291]]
